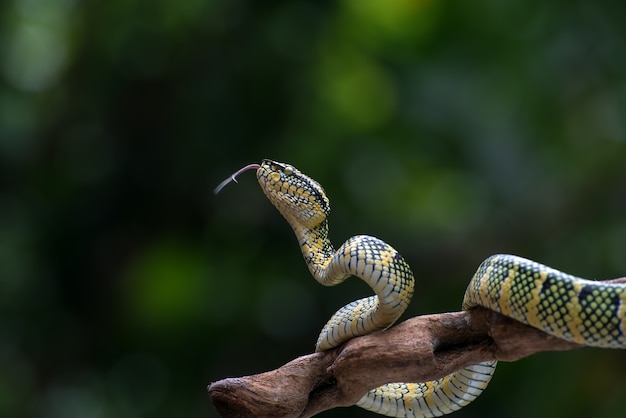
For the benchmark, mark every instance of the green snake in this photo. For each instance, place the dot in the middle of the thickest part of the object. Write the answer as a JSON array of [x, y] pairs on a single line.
[[568, 307]]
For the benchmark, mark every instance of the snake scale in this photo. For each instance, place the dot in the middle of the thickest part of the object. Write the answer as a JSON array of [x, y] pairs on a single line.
[[571, 308]]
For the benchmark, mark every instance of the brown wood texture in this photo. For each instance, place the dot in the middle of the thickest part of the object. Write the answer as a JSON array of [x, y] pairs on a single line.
[[419, 349]]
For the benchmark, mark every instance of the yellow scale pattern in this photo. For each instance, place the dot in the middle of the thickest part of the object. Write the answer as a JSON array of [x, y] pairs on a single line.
[[571, 308], [568, 307]]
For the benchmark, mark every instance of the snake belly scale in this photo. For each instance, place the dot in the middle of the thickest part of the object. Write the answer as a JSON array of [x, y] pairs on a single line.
[[565, 306]]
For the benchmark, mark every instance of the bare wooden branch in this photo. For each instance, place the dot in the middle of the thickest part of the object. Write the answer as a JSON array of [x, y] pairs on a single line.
[[419, 349]]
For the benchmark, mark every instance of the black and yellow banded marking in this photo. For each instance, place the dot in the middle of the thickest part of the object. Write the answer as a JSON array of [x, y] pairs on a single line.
[[436, 398], [569, 307], [565, 306]]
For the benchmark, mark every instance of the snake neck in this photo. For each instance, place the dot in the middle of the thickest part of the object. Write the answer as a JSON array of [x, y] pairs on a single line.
[[317, 251]]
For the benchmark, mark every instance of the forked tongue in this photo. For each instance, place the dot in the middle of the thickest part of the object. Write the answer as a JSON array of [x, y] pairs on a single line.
[[233, 177]]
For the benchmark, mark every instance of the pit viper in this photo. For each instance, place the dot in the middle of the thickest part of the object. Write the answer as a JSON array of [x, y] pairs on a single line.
[[574, 309]]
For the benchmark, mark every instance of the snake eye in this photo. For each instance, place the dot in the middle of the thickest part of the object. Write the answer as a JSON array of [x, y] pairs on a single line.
[[288, 170]]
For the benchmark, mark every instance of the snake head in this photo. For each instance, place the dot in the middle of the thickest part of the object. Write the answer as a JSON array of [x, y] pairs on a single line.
[[299, 198]]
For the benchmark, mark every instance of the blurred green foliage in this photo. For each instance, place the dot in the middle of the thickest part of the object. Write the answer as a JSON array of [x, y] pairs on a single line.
[[452, 130]]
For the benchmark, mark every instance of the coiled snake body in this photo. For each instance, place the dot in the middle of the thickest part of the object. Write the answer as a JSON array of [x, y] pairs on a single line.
[[571, 308]]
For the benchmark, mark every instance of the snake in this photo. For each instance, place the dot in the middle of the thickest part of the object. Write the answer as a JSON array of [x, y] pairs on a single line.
[[578, 310]]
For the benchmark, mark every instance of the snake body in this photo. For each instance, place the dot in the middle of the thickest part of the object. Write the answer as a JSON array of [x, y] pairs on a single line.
[[571, 308]]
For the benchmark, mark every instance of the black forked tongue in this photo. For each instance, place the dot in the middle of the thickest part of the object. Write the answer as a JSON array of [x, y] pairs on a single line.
[[233, 177]]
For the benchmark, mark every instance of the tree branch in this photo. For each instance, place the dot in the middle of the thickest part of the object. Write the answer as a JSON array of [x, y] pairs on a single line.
[[419, 349]]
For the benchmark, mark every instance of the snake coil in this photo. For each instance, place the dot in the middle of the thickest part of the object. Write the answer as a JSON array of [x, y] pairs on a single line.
[[568, 307]]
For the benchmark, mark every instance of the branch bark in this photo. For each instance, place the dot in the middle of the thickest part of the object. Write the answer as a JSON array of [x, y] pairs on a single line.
[[419, 349]]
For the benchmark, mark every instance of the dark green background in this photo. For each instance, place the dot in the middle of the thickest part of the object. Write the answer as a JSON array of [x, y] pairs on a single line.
[[451, 129]]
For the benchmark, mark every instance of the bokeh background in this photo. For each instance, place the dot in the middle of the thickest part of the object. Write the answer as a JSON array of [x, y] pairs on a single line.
[[451, 129]]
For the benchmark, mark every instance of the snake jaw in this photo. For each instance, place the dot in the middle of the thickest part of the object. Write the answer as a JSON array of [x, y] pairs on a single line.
[[300, 199]]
